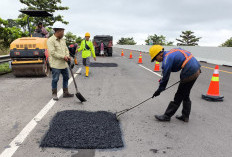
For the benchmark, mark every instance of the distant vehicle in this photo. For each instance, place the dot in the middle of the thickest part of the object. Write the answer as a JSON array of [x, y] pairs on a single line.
[[107, 41]]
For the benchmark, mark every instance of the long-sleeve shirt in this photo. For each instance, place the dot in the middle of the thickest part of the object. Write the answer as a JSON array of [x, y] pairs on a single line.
[[87, 53], [173, 63], [102, 47], [57, 50], [43, 31]]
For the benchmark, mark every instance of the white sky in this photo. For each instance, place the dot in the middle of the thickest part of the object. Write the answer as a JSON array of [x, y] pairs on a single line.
[[209, 19]]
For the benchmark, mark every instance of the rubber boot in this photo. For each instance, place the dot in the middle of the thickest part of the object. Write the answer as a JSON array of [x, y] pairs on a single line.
[[170, 111], [54, 94], [87, 71], [75, 61], [185, 112], [67, 94], [163, 118]]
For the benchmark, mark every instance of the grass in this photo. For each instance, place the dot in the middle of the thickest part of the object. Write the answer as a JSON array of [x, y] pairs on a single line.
[[4, 68]]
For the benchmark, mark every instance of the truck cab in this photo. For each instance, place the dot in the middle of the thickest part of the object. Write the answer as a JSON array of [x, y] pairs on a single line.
[[107, 41]]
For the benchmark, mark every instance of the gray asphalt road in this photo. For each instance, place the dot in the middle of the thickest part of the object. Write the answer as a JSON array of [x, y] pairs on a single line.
[[208, 134]]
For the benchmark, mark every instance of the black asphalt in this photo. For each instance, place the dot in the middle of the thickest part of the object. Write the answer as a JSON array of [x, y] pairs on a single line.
[[83, 130]]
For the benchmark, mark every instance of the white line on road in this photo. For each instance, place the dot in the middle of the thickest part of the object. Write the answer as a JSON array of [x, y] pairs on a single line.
[[150, 70], [147, 69], [15, 144]]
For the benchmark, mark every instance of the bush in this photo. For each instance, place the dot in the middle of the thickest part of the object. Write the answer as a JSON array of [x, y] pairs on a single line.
[[4, 68]]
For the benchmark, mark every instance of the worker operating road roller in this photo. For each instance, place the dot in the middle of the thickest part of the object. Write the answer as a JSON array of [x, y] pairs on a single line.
[[86, 48]]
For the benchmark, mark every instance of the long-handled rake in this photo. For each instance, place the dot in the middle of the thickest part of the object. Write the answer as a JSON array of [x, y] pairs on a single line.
[[126, 110]]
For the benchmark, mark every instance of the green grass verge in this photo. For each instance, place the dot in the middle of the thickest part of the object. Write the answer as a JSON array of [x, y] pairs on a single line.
[[4, 68]]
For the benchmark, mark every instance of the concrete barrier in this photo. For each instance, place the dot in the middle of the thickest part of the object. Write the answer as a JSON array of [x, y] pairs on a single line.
[[214, 55]]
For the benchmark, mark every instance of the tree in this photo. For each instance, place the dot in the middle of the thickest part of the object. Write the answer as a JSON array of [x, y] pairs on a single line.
[[22, 23], [126, 41], [227, 43], [71, 38], [19, 23], [78, 40], [188, 39], [8, 33], [158, 40], [47, 5], [169, 43]]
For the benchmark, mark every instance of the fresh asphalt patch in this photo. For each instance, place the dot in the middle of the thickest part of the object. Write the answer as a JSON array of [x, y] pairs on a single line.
[[83, 130], [97, 64]]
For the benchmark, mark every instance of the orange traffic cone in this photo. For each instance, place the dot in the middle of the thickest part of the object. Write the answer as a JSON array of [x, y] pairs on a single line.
[[122, 54], [213, 91], [130, 55], [140, 59], [157, 66]]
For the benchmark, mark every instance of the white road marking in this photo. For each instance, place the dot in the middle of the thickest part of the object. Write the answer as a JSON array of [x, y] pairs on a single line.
[[150, 70], [15, 144], [147, 69]]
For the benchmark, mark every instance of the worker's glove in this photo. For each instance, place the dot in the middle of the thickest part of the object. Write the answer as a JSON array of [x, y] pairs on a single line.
[[157, 93]]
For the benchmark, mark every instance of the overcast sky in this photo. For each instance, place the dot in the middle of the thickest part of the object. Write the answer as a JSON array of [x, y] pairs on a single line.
[[209, 19]]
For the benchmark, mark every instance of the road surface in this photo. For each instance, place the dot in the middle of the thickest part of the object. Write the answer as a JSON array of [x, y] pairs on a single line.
[[208, 133]]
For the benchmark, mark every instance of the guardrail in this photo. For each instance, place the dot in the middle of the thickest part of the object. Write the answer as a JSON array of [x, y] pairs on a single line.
[[4, 59], [214, 55]]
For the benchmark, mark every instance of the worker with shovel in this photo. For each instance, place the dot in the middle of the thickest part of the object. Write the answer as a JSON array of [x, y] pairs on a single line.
[[58, 58], [173, 61], [86, 48]]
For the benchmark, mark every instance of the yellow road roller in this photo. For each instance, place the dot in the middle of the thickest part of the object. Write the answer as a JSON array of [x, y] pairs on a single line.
[[29, 55]]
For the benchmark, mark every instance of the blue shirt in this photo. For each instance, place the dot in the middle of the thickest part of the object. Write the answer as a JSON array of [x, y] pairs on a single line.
[[173, 63]]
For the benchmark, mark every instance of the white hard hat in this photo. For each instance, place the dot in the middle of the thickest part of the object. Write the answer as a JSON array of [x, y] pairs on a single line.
[[58, 25]]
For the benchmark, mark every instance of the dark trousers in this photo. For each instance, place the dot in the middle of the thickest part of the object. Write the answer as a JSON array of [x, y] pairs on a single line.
[[182, 94], [56, 75]]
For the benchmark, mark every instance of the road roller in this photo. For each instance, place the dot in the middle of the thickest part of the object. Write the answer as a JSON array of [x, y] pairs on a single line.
[[30, 55]]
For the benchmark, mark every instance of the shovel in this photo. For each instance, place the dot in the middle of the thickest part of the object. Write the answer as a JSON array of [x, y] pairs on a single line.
[[78, 94]]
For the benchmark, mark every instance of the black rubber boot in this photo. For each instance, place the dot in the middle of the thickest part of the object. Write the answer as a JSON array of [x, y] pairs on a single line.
[[163, 118], [54, 94], [182, 118], [67, 94], [185, 112], [172, 108], [170, 111]]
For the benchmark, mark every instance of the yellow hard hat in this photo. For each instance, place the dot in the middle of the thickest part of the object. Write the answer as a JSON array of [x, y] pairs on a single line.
[[155, 50], [87, 34]]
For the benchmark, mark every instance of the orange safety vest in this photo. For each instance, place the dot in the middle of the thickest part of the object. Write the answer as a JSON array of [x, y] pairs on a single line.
[[184, 53]]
